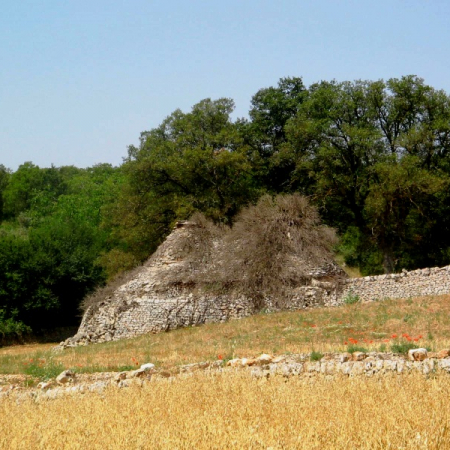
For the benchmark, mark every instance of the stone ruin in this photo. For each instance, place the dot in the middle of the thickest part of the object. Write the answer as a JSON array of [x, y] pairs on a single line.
[[152, 302]]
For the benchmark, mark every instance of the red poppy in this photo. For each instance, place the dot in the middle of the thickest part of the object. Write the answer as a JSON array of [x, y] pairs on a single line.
[[394, 336], [219, 357]]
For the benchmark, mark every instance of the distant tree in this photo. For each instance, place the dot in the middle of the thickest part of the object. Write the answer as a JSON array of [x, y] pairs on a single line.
[[265, 133], [4, 179], [27, 184]]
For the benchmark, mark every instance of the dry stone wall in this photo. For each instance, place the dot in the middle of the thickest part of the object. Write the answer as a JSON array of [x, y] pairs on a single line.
[[137, 308], [416, 283]]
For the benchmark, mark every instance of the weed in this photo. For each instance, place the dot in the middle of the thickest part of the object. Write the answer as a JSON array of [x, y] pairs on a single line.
[[356, 348], [315, 356], [43, 369], [402, 347], [351, 298]]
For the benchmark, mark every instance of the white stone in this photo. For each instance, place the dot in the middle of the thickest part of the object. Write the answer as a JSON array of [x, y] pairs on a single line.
[[417, 354], [67, 376]]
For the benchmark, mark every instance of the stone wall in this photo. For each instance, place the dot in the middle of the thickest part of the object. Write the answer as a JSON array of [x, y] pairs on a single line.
[[136, 308], [422, 282]]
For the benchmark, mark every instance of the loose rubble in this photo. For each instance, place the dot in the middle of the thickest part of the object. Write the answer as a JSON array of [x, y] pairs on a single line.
[[264, 366]]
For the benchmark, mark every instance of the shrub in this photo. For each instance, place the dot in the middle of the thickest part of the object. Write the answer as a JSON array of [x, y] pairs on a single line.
[[11, 328], [402, 347], [351, 298], [356, 348], [272, 246], [315, 356]]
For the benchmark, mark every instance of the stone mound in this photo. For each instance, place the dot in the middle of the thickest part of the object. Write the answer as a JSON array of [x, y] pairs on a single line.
[[159, 297]]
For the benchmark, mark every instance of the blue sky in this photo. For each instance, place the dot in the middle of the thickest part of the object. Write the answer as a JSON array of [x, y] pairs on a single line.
[[79, 80]]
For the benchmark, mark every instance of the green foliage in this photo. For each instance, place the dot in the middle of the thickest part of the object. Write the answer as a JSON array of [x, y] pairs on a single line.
[[373, 156], [356, 348], [351, 299], [315, 356], [10, 327], [43, 369], [402, 347]]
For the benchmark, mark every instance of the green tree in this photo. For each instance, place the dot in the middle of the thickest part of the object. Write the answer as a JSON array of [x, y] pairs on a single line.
[[4, 179], [193, 161], [27, 184]]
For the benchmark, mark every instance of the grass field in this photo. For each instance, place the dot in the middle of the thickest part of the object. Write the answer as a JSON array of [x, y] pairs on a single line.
[[232, 410], [373, 326]]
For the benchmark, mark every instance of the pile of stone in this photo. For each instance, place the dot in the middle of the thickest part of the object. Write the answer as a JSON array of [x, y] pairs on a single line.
[[264, 366]]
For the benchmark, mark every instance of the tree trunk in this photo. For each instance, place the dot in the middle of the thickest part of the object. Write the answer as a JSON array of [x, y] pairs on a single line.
[[388, 260]]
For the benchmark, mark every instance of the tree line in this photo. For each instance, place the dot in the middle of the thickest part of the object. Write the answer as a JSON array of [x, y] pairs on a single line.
[[372, 156]]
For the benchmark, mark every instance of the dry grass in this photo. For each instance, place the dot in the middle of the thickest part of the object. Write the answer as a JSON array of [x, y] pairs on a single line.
[[372, 325], [225, 411], [232, 410]]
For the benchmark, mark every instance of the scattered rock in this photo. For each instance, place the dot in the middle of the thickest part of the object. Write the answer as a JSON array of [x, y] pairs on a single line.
[[265, 359], [65, 377], [443, 354], [236, 362], [417, 354], [120, 376], [44, 385], [358, 356], [344, 357], [248, 361]]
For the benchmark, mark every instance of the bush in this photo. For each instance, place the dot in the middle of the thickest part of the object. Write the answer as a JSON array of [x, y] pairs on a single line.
[[402, 347], [272, 247], [315, 356], [11, 328], [356, 348], [351, 298]]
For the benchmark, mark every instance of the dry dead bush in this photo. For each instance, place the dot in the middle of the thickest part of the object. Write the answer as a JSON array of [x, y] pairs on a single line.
[[276, 245], [272, 247]]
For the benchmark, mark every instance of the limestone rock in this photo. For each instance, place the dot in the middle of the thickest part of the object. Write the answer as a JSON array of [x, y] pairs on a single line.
[[148, 367], [67, 376], [344, 357], [417, 354], [236, 362], [358, 356], [44, 385], [264, 359], [443, 354], [120, 376], [248, 361]]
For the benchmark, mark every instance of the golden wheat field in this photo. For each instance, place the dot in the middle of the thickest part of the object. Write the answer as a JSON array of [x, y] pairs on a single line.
[[206, 411], [232, 410]]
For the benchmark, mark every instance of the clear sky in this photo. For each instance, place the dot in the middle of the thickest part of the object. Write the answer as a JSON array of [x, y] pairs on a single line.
[[80, 79]]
